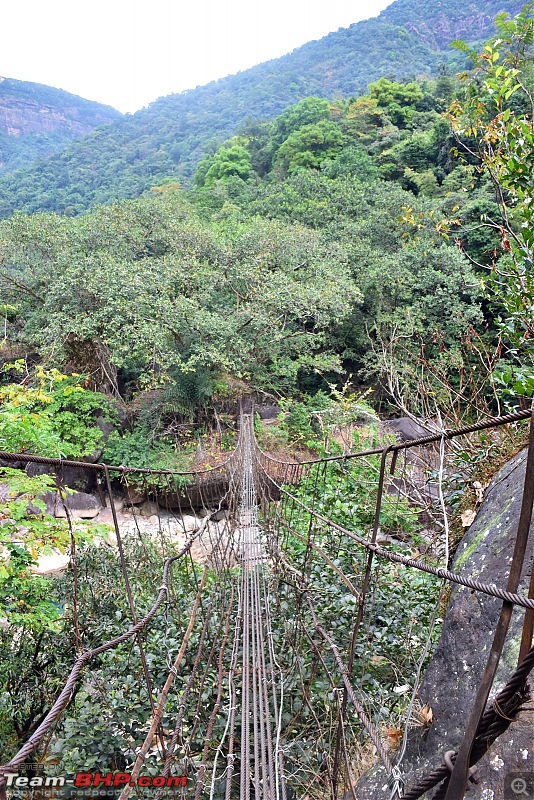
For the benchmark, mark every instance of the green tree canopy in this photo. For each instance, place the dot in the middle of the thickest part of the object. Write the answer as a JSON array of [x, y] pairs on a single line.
[[305, 112], [146, 286], [227, 161], [309, 146], [398, 99]]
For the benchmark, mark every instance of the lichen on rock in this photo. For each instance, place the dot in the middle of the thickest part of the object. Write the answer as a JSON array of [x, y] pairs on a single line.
[[453, 675]]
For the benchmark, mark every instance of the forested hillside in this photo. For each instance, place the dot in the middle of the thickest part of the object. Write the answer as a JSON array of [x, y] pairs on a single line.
[[330, 241], [349, 259], [37, 121], [167, 139], [439, 22]]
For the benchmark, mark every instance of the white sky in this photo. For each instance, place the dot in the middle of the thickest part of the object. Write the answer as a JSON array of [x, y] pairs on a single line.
[[127, 53]]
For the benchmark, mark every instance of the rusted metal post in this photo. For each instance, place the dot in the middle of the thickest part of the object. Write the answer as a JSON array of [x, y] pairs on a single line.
[[359, 617], [528, 625], [459, 775]]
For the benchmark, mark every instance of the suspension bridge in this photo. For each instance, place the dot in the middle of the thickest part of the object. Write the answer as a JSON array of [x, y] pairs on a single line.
[[267, 693]]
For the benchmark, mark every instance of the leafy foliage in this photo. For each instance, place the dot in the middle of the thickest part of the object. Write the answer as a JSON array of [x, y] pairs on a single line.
[[140, 447], [41, 121], [167, 139], [155, 289], [496, 114], [398, 100], [27, 531], [401, 606], [318, 243], [55, 417], [309, 146], [227, 161]]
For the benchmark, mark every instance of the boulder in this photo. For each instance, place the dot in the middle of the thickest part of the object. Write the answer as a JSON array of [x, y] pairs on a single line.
[[4, 462], [175, 533], [133, 496], [118, 502], [53, 562], [79, 504], [149, 508], [107, 429], [134, 511], [214, 548], [268, 413], [105, 517], [80, 478], [408, 429], [453, 674], [210, 491], [187, 523]]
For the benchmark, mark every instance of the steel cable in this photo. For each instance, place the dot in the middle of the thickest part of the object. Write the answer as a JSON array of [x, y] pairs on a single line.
[[493, 723], [80, 663], [249, 469], [472, 583]]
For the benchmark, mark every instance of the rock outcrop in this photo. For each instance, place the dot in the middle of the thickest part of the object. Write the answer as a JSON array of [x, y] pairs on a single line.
[[37, 121], [472, 21], [453, 675], [77, 505]]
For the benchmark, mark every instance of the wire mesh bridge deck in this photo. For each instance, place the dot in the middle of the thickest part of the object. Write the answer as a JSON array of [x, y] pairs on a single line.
[[278, 634]]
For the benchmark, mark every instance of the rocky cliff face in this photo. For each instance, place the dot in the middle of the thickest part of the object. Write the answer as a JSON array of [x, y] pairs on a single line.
[[36, 121], [439, 22], [452, 677], [445, 30]]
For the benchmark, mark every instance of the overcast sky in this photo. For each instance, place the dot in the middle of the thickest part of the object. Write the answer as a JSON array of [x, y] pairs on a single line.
[[129, 52]]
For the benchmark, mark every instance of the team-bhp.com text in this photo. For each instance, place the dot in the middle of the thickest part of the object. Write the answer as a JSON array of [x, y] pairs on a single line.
[[94, 779]]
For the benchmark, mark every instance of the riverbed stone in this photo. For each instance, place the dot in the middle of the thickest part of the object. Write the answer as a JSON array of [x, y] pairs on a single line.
[[79, 505], [187, 523], [51, 563], [149, 508]]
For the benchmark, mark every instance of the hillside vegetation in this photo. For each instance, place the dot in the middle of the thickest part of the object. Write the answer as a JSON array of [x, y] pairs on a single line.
[[349, 258], [167, 139], [330, 241], [37, 121]]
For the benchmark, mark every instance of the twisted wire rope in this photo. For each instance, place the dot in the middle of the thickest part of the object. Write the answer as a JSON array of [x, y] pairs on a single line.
[[247, 470]]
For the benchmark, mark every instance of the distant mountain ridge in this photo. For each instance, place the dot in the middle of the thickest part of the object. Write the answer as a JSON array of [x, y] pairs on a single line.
[[438, 22], [38, 120], [167, 139]]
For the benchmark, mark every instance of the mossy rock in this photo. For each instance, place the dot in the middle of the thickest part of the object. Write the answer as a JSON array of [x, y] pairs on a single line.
[[453, 675]]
